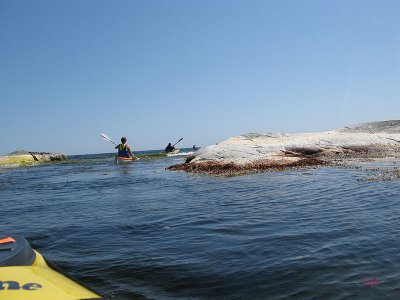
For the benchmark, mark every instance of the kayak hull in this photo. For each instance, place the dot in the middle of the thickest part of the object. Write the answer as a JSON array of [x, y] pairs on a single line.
[[159, 154], [124, 160], [22, 278], [176, 151]]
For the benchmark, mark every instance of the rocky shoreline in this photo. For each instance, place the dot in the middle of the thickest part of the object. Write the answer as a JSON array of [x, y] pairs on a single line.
[[26, 158], [259, 152]]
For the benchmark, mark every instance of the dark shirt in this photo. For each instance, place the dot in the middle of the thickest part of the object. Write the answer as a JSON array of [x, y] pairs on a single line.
[[169, 148]]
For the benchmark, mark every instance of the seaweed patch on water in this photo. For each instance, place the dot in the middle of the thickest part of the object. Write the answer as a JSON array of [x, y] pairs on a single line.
[[229, 169], [381, 174]]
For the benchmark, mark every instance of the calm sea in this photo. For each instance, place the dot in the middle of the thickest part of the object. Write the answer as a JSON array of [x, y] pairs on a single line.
[[138, 231]]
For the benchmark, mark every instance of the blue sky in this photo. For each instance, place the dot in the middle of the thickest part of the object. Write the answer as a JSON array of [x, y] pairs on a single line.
[[155, 71]]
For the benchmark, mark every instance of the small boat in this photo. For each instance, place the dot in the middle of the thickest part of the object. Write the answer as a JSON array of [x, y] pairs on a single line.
[[176, 151], [26, 275], [123, 160], [159, 154]]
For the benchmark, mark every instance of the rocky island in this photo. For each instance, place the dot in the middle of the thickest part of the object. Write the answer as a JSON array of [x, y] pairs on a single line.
[[255, 152], [23, 158]]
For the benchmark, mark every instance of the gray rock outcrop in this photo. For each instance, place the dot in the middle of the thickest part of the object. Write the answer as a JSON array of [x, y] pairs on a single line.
[[260, 150]]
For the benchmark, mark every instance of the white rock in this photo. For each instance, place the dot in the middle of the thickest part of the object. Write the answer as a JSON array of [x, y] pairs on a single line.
[[251, 147]]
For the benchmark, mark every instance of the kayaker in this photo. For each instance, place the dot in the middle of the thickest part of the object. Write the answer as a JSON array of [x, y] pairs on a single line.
[[123, 149], [169, 148]]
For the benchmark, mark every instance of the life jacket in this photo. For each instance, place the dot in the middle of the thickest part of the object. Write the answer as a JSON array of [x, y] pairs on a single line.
[[123, 150]]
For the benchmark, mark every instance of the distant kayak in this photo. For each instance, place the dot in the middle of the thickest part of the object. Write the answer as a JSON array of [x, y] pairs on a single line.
[[159, 154], [124, 160], [176, 151], [25, 274]]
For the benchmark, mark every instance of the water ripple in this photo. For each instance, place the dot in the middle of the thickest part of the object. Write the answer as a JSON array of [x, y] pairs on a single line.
[[140, 232]]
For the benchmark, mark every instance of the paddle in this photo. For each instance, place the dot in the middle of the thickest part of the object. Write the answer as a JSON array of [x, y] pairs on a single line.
[[177, 142], [106, 137]]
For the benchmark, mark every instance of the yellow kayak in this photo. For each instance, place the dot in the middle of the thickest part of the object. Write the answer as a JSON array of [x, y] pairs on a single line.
[[123, 160], [25, 275]]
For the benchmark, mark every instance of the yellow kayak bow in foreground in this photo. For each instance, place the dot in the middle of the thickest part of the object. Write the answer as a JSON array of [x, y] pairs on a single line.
[[25, 274]]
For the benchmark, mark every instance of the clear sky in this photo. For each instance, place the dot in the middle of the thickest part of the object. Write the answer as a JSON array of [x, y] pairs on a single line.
[[155, 71]]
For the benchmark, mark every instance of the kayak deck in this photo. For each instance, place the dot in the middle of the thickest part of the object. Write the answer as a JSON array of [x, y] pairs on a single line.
[[159, 154], [125, 159], [25, 274], [176, 151]]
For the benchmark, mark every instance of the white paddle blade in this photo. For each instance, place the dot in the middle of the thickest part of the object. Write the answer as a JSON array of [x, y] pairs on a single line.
[[106, 137]]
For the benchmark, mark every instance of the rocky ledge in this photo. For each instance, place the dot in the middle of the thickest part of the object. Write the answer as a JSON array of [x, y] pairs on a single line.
[[255, 152], [22, 158]]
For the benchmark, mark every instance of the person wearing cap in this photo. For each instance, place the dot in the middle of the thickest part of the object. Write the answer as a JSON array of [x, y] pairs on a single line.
[[123, 149]]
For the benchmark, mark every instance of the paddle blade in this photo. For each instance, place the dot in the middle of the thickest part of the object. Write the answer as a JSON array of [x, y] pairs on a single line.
[[106, 137]]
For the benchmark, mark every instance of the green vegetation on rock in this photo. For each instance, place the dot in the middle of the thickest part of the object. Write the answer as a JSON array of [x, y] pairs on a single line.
[[25, 158]]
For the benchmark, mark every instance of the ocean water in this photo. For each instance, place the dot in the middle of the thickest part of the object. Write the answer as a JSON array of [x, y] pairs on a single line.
[[139, 231]]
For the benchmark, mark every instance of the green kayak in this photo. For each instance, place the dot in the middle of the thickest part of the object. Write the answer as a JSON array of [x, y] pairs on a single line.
[[160, 154]]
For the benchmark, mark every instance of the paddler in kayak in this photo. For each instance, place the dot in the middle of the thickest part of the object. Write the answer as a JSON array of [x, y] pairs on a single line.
[[169, 148], [123, 149]]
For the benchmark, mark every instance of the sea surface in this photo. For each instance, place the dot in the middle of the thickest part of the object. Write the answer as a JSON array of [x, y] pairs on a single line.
[[138, 231]]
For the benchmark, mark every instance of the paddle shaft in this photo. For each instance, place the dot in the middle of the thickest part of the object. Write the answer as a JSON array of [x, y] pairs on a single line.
[[177, 142]]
